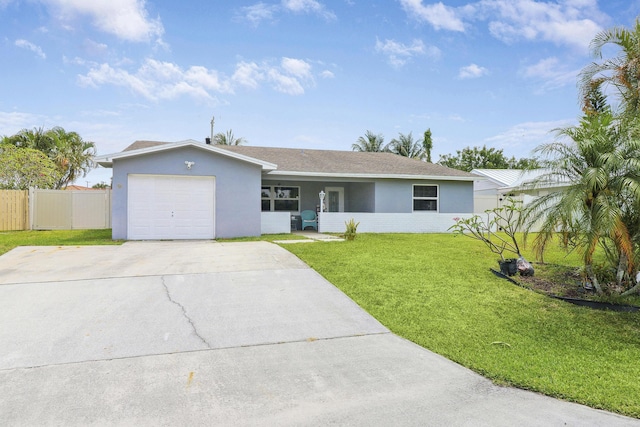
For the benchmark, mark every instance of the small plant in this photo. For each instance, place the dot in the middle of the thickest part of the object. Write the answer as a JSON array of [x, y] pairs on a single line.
[[350, 232], [505, 219]]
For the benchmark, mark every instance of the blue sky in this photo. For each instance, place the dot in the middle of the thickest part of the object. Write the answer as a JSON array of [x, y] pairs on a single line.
[[299, 73]]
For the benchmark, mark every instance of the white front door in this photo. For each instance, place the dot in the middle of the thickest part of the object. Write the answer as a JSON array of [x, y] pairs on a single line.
[[170, 207], [334, 199]]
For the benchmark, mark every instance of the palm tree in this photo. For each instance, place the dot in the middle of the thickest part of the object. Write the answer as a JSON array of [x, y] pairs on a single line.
[[621, 71], [72, 155], [370, 142], [406, 146], [427, 144], [600, 164], [227, 139], [69, 152]]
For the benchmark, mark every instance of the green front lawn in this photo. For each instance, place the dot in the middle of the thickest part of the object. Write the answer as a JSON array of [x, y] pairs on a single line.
[[436, 290], [12, 239]]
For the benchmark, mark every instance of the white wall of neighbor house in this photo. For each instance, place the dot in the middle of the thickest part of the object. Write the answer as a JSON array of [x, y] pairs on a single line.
[[417, 222]]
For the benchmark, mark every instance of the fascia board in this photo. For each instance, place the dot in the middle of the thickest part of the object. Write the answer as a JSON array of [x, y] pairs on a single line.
[[107, 159], [374, 176]]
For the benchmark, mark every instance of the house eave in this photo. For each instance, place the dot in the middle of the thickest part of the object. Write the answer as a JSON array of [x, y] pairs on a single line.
[[107, 159], [372, 176]]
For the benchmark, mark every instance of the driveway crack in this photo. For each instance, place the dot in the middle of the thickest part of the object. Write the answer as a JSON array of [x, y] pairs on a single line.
[[184, 313]]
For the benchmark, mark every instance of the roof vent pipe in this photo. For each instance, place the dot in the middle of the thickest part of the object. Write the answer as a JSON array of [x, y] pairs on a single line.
[[207, 140]]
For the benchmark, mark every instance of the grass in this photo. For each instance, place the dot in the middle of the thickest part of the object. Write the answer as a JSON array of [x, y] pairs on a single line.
[[436, 290], [12, 239]]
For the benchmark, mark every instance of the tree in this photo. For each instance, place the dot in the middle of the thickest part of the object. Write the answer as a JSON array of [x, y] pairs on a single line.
[[468, 159], [21, 168], [621, 71], [370, 142], [427, 145], [599, 162], [405, 146], [67, 150], [101, 186], [227, 139]]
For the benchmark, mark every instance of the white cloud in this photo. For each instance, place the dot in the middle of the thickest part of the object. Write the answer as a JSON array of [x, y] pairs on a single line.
[[571, 23], [261, 11], [472, 71], [326, 74], [526, 136], [551, 72], [24, 44], [157, 80], [438, 15], [308, 6], [13, 122], [399, 54], [248, 74], [126, 19]]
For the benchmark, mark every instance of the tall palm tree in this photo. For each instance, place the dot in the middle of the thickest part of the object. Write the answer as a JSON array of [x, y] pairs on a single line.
[[599, 162], [72, 155], [228, 139], [406, 146], [622, 71], [370, 142]]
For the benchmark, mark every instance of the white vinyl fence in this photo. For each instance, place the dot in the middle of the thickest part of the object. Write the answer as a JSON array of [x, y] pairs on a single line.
[[70, 209]]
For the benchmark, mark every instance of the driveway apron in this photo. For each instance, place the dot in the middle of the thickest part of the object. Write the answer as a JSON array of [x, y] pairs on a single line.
[[207, 333]]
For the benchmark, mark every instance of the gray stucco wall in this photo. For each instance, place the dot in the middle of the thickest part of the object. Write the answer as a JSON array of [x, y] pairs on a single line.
[[237, 202], [395, 196]]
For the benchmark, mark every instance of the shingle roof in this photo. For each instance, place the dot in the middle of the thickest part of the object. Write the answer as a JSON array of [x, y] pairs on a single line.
[[345, 162], [332, 162]]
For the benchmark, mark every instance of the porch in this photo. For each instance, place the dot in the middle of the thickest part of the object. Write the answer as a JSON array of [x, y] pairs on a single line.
[[334, 222]]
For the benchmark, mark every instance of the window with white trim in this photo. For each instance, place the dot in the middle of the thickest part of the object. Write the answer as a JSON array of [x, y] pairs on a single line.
[[425, 198], [280, 199]]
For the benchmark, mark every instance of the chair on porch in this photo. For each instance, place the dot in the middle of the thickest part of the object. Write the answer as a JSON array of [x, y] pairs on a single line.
[[309, 219]]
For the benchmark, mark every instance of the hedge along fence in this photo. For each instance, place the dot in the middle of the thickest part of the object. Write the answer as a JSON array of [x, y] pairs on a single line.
[[14, 210]]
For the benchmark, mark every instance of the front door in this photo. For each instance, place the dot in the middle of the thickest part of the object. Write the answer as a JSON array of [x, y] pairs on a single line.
[[334, 199]]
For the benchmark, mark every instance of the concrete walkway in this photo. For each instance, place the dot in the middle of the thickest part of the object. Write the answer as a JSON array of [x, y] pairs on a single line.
[[205, 333]]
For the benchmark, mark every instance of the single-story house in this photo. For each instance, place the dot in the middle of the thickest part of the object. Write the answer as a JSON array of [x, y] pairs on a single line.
[[193, 190], [499, 184]]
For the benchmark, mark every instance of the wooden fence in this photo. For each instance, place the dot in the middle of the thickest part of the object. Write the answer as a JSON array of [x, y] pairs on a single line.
[[14, 210], [54, 209]]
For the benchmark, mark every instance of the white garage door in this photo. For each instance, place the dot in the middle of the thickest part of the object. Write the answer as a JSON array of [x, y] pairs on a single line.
[[170, 207]]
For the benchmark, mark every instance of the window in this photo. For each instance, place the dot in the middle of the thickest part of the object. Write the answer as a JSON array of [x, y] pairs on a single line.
[[425, 198], [281, 199]]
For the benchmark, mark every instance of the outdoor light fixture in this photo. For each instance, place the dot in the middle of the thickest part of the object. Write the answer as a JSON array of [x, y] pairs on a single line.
[[189, 164], [321, 195]]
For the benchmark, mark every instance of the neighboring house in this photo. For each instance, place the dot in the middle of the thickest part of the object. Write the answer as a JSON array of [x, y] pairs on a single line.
[[499, 184], [192, 190]]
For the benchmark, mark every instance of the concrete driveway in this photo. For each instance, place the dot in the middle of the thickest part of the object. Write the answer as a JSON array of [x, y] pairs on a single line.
[[206, 333]]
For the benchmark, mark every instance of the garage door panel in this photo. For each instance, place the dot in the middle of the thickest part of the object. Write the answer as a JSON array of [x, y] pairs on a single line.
[[171, 207]]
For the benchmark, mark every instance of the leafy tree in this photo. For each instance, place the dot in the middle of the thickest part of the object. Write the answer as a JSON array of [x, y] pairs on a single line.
[[21, 168], [101, 185], [621, 71], [67, 150], [468, 159], [523, 163], [427, 144], [406, 146], [228, 138], [370, 142], [599, 162]]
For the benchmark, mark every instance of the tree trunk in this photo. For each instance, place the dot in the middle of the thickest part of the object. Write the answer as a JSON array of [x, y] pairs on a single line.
[[634, 289], [594, 280], [622, 269]]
